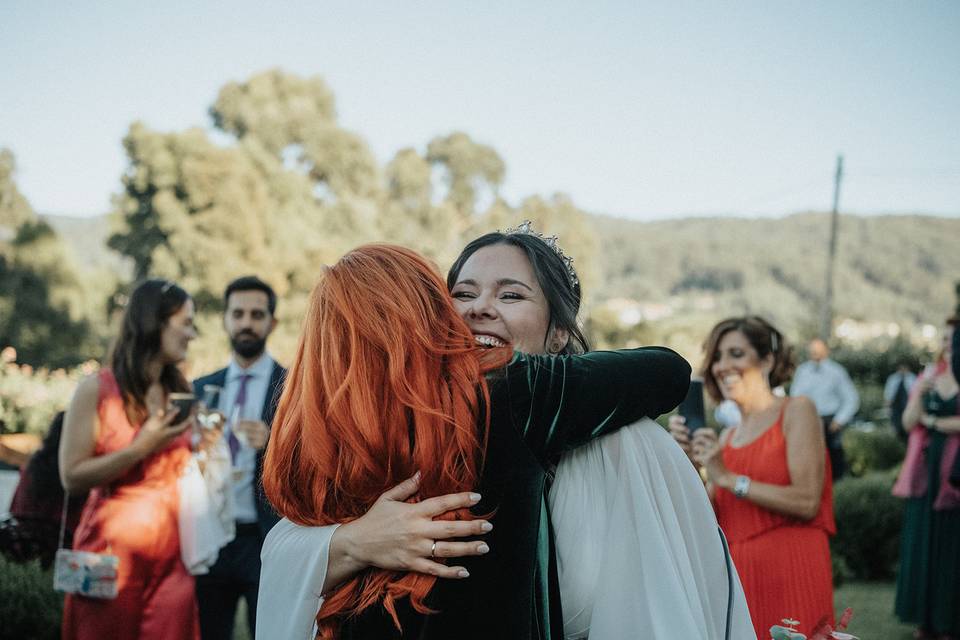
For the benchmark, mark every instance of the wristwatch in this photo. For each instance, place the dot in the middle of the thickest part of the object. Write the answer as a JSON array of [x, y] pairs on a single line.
[[741, 486]]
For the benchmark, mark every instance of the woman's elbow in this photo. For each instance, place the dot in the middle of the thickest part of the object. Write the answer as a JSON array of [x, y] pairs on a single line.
[[71, 483], [808, 509]]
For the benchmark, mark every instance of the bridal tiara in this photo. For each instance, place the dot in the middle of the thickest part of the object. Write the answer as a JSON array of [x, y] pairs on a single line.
[[525, 229]]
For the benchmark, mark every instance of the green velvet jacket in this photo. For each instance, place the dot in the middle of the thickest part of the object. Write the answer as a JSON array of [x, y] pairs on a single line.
[[541, 406]]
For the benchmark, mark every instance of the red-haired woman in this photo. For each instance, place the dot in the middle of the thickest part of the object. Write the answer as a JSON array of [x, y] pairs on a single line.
[[388, 381], [768, 476]]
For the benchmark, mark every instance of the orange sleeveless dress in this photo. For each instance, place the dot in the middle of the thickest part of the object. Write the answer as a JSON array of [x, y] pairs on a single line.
[[135, 518], [783, 562]]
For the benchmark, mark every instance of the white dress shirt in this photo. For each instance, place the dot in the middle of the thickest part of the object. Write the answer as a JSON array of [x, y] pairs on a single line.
[[893, 383], [829, 385], [244, 468]]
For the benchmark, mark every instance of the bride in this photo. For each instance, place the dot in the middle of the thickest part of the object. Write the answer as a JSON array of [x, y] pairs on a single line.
[[637, 542]]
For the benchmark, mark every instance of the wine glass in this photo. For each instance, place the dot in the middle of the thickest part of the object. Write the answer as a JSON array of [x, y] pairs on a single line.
[[208, 415]]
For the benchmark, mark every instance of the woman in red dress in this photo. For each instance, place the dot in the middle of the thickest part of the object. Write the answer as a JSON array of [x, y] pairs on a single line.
[[768, 477], [119, 441]]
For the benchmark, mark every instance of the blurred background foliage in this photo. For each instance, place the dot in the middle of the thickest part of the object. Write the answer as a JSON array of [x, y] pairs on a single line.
[[275, 186]]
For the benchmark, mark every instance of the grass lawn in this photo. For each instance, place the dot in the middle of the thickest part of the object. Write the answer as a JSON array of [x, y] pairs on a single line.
[[872, 604], [240, 631]]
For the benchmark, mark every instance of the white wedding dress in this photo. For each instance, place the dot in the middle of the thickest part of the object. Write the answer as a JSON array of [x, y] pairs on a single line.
[[638, 547], [639, 550]]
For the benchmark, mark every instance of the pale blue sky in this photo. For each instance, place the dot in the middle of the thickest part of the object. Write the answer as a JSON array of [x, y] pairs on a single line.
[[638, 109]]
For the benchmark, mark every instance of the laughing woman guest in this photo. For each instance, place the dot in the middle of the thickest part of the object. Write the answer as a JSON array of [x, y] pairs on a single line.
[[120, 443], [768, 476]]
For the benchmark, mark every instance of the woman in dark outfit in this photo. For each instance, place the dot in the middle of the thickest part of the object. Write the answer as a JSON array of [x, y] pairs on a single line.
[[538, 407], [928, 590]]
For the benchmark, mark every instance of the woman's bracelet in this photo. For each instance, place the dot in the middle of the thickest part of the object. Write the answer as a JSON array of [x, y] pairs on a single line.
[[741, 486]]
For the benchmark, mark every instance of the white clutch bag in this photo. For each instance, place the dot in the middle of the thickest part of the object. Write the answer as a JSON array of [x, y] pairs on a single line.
[[85, 573]]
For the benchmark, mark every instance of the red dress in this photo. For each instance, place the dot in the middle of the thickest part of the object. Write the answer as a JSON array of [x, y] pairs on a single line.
[[783, 562], [135, 518]]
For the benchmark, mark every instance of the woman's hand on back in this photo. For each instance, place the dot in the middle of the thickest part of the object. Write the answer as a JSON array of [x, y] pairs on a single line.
[[401, 536]]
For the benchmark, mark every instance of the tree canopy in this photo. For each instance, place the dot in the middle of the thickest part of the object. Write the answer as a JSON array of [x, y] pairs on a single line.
[[287, 189], [44, 307]]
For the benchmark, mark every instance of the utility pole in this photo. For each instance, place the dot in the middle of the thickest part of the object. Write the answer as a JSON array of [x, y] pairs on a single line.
[[826, 317]]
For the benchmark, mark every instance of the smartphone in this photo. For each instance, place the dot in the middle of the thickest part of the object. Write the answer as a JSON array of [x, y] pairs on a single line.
[[184, 403], [692, 406]]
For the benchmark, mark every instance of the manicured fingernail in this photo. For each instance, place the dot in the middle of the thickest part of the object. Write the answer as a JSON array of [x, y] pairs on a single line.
[[483, 548], [486, 526], [463, 573], [416, 477], [474, 497]]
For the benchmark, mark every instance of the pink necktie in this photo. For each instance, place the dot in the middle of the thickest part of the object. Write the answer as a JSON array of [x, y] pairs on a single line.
[[232, 440]]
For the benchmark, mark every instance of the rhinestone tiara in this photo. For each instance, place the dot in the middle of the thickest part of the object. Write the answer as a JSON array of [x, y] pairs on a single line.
[[525, 229]]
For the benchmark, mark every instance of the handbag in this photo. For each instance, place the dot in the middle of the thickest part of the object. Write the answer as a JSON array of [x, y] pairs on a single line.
[[84, 573]]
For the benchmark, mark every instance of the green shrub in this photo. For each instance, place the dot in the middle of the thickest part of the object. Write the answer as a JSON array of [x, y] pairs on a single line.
[[871, 403], [874, 450], [871, 363], [29, 398], [841, 573], [29, 607], [869, 520]]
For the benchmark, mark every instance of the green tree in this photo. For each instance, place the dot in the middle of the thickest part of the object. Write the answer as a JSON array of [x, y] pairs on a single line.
[[468, 168], [44, 306], [294, 190], [14, 208], [41, 301], [279, 109]]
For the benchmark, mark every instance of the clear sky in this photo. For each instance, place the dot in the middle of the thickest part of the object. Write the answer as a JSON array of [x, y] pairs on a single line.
[[638, 109]]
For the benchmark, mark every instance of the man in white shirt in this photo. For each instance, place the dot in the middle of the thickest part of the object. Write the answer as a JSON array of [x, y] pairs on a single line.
[[246, 392], [896, 391], [828, 384]]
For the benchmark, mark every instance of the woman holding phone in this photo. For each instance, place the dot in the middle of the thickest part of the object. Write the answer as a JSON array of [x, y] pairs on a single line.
[[768, 476], [125, 442]]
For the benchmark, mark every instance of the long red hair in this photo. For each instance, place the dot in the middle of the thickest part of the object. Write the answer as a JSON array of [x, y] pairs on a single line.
[[387, 381]]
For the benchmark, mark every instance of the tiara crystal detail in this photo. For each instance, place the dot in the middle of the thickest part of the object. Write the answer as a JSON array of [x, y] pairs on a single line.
[[525, 228]]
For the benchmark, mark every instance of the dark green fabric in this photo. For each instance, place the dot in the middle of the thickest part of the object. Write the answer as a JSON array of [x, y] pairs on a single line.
[[541, 406], [928, 583]]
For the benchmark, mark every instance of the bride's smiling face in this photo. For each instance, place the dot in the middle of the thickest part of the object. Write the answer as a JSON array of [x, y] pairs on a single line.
[[498, 295]]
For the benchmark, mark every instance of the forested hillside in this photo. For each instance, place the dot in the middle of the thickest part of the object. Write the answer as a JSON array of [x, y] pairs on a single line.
[[889, 268]]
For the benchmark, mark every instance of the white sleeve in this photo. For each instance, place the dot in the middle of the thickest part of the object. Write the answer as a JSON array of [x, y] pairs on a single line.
[[890, 386], [293, 567], [798, 386], [631, 516], [850, 398]]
